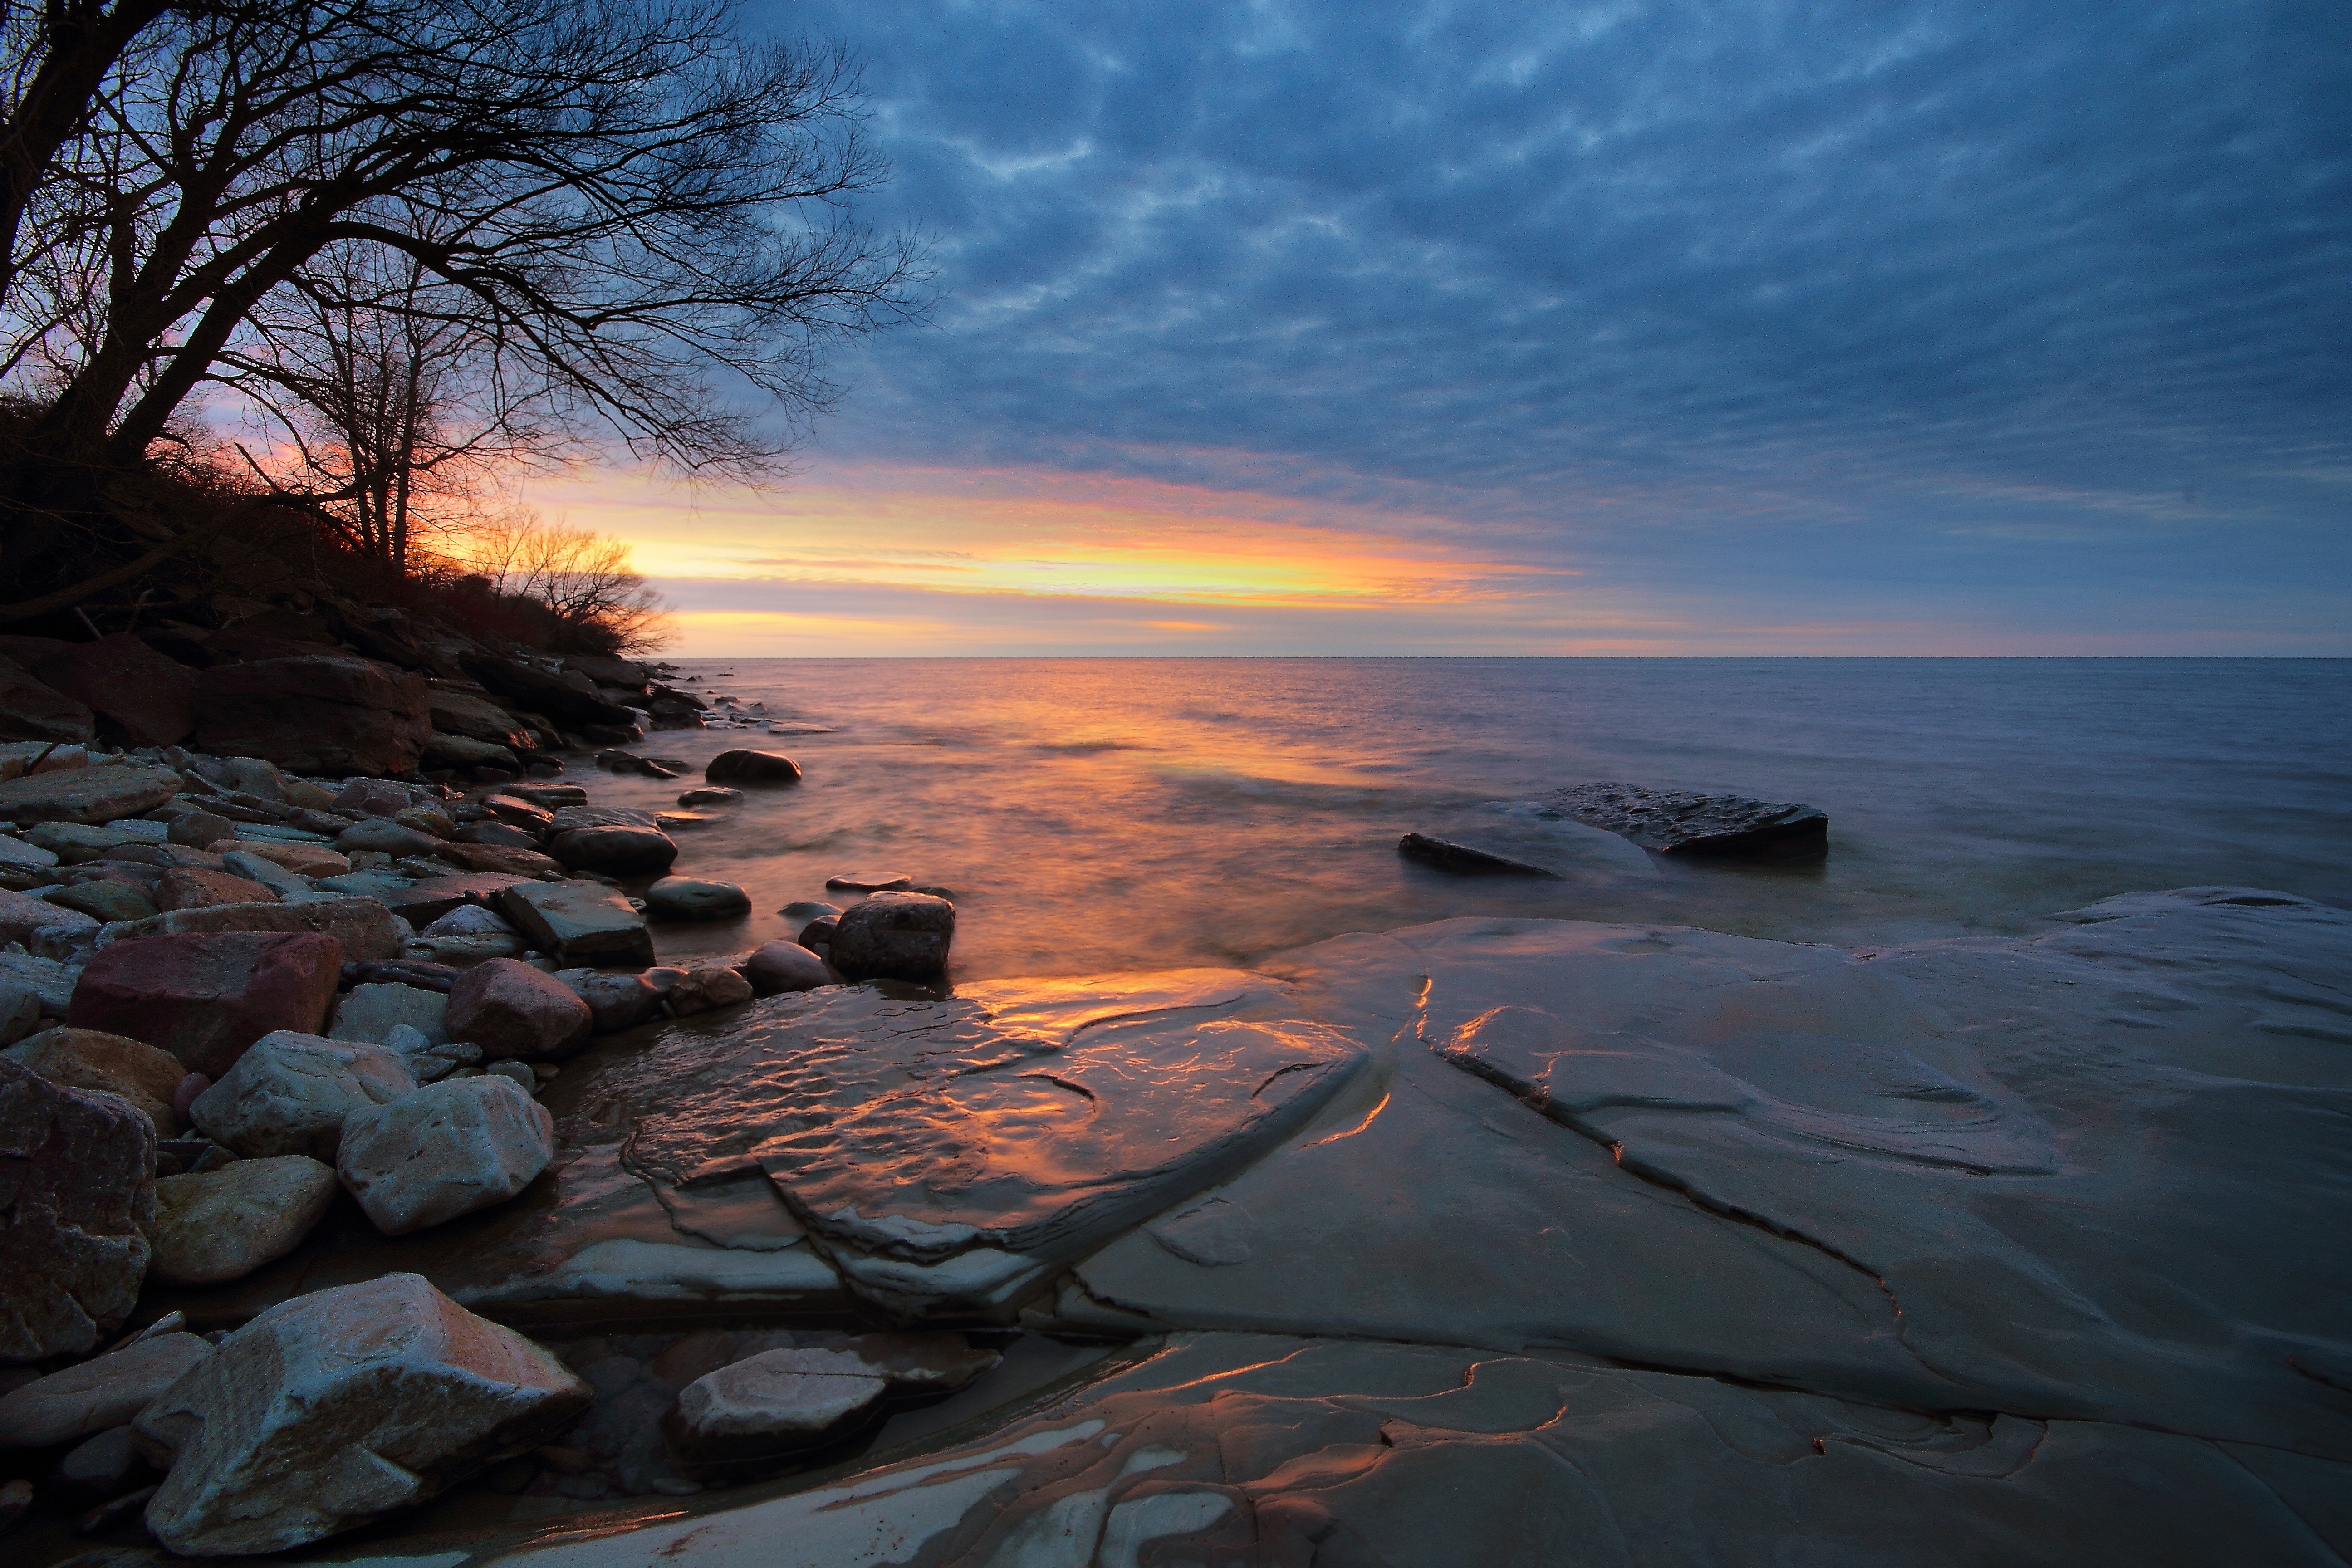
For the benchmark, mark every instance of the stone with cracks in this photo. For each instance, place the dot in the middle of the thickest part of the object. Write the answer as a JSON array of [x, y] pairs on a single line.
[[359, 926], [107, 1064], [77, 1193], [315, 714], [1709, 827], [579, 924], [206, 996], [771, 1405], [87, 796], [511, 1009], [749, 767], [290, 1093], [449, 1149], [949, 1154], [213, 1227], [1221, 1448], [894, 936], [779, 967], [84, 1400], [340, 1408]]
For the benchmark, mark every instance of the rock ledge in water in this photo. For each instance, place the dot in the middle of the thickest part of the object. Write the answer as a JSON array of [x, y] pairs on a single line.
[[1677, 822], [1462, 859]]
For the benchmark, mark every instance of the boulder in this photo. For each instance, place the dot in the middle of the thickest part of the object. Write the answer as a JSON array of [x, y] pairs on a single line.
[[87, 795], [772, 1406], [1463, 860], [360, 925], [685, 898], [108, 1063], [711, 794], [474, 717], [336, 1408], [103, 898], [77, 1193], [32, 711], [388, 837], [138, 697], [1696, 827], [541, 691], [894, 936], [198, 829], [617, 851], [212, 1227], [315, 714], [617, 999], [779, 967], [449, 1149], [205, 996], [82, 1401], [511, 1009], [21, 915], [747, 767], [579, 923], [369, 1013], [290, 1092], [707, 989], [187, 888]]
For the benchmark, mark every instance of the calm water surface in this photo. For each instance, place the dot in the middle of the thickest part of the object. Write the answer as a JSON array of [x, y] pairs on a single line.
[[1102, 814]]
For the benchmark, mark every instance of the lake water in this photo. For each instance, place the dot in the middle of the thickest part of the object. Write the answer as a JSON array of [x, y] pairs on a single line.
[[1102, 814]]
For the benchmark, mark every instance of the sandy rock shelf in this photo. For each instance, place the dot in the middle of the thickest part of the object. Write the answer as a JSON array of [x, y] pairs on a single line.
[[1493, 1241]]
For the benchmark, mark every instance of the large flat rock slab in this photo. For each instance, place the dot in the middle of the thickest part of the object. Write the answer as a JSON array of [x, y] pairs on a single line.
[[1231, 1448], [946, 1153], [1696, 827], [2078, 1175]]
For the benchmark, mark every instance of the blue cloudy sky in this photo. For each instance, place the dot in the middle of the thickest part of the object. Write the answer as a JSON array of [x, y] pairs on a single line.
[[1740, 327]]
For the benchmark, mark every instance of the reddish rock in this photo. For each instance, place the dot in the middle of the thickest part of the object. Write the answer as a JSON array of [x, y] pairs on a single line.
[[110, 1064], [317, 714], [138, 697], [513, 862], [511, 1009], [188, 888], [205, 996], [77, 1195]]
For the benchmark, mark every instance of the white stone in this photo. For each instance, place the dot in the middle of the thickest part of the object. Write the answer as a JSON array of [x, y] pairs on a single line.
[[449, 1149], [289, 1094], [336, 1408]]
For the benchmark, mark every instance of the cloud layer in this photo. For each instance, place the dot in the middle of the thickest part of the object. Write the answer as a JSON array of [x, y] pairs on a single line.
[[2017, 310]]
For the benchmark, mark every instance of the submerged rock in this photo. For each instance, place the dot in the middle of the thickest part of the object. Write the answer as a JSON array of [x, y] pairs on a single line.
[[447, 1150], [80, 1170], [749, 767], [1462, 859], [1675, 822], [338, 1408], [684, 899]]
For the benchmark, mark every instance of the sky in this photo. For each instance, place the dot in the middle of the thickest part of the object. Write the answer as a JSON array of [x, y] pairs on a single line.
[[1727, 328]]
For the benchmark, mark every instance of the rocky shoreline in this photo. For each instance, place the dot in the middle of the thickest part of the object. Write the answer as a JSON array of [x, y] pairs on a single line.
[[373, 1191]]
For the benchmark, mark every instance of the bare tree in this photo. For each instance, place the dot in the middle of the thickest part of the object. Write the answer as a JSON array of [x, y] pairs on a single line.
[[582, 579], [639, 206]]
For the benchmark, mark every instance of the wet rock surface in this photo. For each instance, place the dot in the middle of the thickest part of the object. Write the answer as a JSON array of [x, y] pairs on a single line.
[[893, 936], [511, 1009], [1464, 860], [751, 767], [1701, 826], [338, 1408]]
